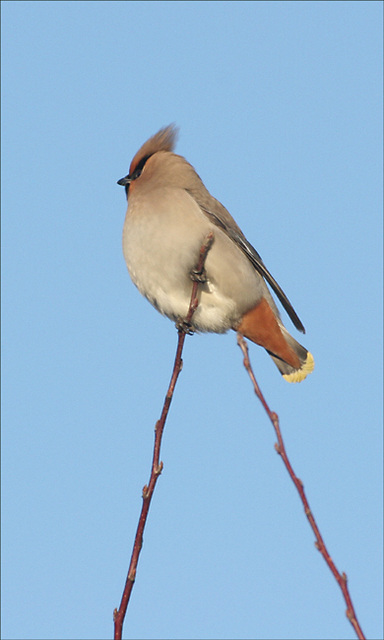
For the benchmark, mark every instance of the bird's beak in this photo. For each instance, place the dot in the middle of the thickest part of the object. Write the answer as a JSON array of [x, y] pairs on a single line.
[[124, 182]]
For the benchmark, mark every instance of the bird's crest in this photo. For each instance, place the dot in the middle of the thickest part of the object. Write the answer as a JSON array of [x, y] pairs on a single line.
[[163, 140]]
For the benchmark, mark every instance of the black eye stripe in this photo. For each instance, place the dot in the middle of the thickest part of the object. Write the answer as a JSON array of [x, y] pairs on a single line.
[[136, 174], [138, 169]]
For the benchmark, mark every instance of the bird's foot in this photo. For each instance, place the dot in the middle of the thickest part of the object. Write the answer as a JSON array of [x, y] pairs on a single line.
[[198, 275], [185, 327]]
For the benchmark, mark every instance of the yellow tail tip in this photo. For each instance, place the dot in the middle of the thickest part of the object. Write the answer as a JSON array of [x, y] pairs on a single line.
[[300, 374]]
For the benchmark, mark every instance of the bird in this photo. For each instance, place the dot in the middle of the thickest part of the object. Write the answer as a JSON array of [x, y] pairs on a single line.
[[170, 213]]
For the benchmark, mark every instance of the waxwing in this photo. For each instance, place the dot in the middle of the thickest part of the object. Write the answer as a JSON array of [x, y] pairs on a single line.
[[169, 215]]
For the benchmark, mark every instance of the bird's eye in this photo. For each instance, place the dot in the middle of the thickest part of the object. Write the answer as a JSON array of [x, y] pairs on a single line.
[[139, 168]]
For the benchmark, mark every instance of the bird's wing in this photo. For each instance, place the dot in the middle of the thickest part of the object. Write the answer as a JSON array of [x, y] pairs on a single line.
[[225, 221]]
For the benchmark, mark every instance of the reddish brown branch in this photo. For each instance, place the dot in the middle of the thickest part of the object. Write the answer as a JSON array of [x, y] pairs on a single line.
[[280, 448], [183, 328]]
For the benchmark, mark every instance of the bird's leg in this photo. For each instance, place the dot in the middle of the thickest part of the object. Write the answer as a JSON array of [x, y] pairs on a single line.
[[183, 326], [198, 275]]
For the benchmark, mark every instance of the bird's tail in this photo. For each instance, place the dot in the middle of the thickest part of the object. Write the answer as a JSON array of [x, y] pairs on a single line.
[[289, 372], [262, 326]]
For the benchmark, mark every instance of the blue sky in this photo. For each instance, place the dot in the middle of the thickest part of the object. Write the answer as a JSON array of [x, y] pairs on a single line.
[[279, 106]]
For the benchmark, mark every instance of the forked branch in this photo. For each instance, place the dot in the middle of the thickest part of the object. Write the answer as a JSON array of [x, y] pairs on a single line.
[[183, 327], [280, 448]]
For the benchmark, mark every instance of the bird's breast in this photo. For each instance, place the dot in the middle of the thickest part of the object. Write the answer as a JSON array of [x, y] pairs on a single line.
[[162, 236]]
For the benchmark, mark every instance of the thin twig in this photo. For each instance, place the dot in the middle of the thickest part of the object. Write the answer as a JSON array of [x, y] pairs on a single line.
[[183, 328], [280, 448]]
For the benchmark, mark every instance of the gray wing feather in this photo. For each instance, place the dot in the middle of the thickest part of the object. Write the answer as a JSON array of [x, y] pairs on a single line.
[[234, 232]]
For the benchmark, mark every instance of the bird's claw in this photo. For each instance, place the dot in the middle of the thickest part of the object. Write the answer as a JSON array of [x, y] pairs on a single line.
[[198, 275], [185, 327]]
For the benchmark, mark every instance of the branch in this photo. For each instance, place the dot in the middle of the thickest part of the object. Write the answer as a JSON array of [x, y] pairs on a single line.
[[280, 448], [183, 328]]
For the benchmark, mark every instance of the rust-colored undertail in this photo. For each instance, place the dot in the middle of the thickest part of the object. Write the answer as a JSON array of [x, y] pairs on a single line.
[[262, 327]]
